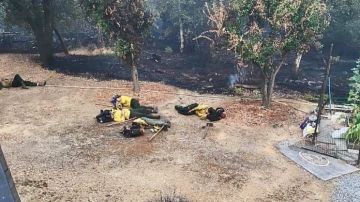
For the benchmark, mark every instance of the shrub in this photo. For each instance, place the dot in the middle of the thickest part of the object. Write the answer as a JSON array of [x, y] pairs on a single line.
[[353, 134], [354, 94], [168, 50]]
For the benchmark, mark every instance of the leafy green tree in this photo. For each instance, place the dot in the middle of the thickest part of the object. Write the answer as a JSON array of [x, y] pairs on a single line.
[[311, 37], [353, 134], [344, 29], [39, 16], [354, 94], [42, 17], [126, 22], [263, 33], [178, 20]]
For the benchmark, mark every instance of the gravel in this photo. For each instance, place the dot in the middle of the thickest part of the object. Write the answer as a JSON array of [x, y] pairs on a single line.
[[347, 189]]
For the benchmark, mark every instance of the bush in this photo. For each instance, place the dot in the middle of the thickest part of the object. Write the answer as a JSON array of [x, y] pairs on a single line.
[[168, 50], [353, 134], [354, 94]]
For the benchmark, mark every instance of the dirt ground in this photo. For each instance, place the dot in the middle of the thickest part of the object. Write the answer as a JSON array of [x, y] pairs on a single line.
[[57, 152]]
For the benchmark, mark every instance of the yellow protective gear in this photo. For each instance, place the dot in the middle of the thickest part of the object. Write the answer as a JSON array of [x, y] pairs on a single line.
[[201, 111], [140, 122], [309, 130], [124, 101], [120, 115]]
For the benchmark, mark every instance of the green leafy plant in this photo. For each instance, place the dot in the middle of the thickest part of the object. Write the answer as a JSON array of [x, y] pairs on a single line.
[[238, 91], [353, 134], [126, 23], [168, 50], [263, 33], [354, 94], [274, 29]]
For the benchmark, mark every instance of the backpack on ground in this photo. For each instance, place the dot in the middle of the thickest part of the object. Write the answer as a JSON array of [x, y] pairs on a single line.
[[134, 131], [104, 116]]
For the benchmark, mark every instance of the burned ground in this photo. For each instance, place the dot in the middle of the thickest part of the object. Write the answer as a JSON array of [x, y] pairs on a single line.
[[184, 71], [203, 74], [57, 152]]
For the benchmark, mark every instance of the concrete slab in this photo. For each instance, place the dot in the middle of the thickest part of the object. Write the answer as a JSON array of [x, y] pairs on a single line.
[[321, 166]]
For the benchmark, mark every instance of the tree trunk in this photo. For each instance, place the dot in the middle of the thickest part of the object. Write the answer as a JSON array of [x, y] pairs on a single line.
[[44, 45], [135, 78], [41, 23], [265, 99], [61, 41], [269, 83], [182, 40], [134, 73], [323, 90], [43, 31], [296, 65], [267, 91], [270, 90], [100, 37]]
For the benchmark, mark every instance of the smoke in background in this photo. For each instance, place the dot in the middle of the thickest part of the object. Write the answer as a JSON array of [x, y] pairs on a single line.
[[239, 77], [233, 79]]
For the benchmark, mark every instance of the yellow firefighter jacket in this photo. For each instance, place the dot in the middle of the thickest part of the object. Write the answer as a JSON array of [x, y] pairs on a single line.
[[201, 111], [120, 115], [124, 101]]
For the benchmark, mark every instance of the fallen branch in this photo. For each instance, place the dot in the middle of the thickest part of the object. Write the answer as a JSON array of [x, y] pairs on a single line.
[[156, 134], [204, 37]]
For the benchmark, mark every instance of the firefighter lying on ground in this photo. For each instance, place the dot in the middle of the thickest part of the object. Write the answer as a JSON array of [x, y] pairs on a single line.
[[17, 81], [124, 114], [202, 111], [145, 119], [124, 101]]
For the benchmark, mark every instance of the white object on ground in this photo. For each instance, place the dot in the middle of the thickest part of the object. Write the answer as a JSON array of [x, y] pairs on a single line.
[[339, 134], [353, 151]]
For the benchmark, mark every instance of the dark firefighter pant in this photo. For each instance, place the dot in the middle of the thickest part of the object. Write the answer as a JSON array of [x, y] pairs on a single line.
[[19, 82], [185, 110], [138, 113], [135, 104]]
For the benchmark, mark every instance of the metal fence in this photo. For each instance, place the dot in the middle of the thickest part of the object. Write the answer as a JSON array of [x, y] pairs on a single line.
[[328, 144]]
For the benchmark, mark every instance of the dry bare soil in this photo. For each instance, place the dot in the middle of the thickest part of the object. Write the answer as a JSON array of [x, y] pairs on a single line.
[[57, 152]]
